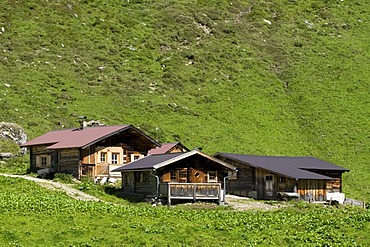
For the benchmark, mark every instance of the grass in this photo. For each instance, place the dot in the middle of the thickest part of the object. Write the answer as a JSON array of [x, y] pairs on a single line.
[[52, 218], [210, 74], [18, 165]]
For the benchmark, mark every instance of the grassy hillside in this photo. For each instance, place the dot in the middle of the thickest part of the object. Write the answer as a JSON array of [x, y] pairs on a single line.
[[256, 77]]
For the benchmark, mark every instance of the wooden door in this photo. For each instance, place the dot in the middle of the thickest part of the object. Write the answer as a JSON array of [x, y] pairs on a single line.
[[269, 186]]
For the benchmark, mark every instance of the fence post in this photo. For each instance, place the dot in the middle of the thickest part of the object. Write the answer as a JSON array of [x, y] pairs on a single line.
[[169, 194], [220, 196], [194, 192]]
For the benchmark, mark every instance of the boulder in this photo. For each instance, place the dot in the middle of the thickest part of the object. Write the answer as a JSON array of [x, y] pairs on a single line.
[[13, 132]]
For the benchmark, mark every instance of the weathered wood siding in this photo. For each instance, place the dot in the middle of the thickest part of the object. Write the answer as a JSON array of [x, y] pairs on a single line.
[[139, 183], [312, 190], [69, 160], [286, 184], [334, 185], [41, 150], [88, 155], [184, 175], [245, 183]]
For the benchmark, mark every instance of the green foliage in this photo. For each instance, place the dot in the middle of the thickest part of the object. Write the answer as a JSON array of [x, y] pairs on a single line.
[[8, 146], [107, 192], [64, 178], [35, 216], [18, 165], [212, 74]]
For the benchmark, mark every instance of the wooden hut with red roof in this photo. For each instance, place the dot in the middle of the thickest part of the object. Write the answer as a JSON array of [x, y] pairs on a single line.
[[89, 151]]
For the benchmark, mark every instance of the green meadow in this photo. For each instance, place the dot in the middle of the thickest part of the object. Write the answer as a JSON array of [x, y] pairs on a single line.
[[35, 216], [282, 77]]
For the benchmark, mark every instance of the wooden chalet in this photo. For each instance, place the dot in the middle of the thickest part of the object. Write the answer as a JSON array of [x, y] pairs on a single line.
[[89, 151], [268, 177], [167, 148], [176, 176]]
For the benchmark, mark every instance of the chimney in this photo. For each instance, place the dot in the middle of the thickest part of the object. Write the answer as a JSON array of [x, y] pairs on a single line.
[[82, 120]]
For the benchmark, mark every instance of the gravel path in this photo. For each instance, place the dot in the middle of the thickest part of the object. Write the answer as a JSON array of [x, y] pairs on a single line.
[[74, 193], [245, 203]]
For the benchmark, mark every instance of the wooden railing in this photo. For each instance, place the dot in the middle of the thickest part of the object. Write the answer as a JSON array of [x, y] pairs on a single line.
[[191, 191]]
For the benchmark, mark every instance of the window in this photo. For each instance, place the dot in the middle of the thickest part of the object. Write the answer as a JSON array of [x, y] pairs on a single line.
[[43, 161], [115, 158], [212, 176], [136, 156], [269, 178], [173, 176], [103, 157], [282, 179]]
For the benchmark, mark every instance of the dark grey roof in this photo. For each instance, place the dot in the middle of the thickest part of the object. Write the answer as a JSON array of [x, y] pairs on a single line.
[[161, 160], [293, 167]]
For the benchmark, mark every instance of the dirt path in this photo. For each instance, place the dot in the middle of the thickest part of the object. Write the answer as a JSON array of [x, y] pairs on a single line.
[[74, 193], [245, 203]]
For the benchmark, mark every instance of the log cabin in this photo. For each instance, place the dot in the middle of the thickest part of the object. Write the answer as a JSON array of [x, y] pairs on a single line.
[[89, 151], [191, 175], [167, 148], [271, 177]]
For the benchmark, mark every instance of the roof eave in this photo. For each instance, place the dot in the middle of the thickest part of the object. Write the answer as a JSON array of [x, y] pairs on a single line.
[[132, 170], [190, 153]]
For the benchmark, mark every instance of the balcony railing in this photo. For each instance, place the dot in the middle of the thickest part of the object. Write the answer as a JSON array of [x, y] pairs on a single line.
[[191, 191]]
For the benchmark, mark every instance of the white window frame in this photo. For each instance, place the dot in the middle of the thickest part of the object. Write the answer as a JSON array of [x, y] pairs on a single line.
[[135, 157], [105, 157], [115, 158]]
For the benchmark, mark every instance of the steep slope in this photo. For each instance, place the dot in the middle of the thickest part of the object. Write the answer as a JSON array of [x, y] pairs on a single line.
[[274, 78]]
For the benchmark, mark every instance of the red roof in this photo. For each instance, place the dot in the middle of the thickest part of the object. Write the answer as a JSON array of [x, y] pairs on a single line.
[[165, 148], [78, 138]]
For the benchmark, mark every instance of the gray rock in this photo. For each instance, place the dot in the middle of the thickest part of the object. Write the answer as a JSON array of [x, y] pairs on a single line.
[[13, 132]]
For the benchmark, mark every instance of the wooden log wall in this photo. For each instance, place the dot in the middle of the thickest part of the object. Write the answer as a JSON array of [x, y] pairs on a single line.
[[41, 150], [285, 184], [145, 184], [312, 190], [334, 185], [88, 155], [182, 175], [69, 160], [245, 181], [139, 182]]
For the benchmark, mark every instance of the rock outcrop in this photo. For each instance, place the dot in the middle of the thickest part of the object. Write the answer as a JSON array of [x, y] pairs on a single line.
[[13, 132]]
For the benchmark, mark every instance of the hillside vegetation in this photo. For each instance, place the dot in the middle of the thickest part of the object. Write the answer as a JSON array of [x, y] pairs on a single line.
[[35, 216], [281, 77]]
